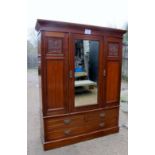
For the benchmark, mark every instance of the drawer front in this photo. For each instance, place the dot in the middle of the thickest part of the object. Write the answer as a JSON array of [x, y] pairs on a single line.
[[62, 127], [63, 122], [101, 119], [109, 117], [64, 132], [56, 128]]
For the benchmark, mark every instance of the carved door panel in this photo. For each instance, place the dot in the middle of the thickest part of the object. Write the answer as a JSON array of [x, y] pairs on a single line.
[[55, 72], [113, 69]]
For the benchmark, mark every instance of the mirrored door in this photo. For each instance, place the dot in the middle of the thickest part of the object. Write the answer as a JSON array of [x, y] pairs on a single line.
[[85, 55], [86, 72]]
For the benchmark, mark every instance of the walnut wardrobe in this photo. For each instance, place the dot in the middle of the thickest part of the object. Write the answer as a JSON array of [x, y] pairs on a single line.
[[80, 78]]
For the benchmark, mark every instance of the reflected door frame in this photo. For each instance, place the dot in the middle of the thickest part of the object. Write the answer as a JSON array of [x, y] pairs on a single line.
[[101, 64]]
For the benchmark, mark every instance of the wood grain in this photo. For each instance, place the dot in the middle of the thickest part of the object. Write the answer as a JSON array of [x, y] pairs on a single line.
[[112, 84], [81, 123], [55, 84]]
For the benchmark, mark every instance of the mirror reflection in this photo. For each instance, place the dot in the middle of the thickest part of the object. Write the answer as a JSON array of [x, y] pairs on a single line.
[[86, 72]]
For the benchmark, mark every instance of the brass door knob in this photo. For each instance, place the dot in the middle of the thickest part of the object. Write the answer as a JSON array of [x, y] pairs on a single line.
[[67, 121], [101, 124], [70, 74], [102, 114]]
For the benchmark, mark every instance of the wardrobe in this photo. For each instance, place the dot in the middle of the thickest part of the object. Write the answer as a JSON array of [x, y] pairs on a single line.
[[79, 70]]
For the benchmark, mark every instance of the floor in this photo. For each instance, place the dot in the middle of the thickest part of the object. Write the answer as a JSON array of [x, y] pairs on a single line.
[[115, 144], [85, 96]]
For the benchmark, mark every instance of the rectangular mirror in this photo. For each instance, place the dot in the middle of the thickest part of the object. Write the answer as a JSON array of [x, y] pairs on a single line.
[[86, 72]]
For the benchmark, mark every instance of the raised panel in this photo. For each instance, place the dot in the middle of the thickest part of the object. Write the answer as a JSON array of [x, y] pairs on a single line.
[[113, 49], [54, 44], [55, 84], [112, 83]]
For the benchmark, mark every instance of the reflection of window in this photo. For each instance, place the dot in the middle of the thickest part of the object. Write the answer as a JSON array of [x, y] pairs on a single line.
[[86, 58]]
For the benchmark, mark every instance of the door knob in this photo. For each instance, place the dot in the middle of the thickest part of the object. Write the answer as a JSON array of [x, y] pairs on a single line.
[[104, 73], [67, 132], [67, 121], [102, 114], [101, 124]]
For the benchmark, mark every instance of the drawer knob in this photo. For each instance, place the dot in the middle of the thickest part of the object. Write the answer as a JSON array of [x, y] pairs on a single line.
[[102, 114], [67, 132], [101, 124], [67, 121]]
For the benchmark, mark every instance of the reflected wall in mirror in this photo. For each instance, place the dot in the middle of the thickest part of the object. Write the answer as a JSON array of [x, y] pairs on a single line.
[[86, 72]]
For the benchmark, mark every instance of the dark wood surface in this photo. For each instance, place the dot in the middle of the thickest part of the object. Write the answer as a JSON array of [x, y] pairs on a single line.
[[62, 122], [113, 69], [82, 123], [74, 139], [55, 45], [49, 25]]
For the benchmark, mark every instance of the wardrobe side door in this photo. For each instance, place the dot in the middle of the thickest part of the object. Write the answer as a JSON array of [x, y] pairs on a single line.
[[56, 72], [113, 70]]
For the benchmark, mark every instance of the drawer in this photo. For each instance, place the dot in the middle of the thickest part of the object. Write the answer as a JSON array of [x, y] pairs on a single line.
[[67, 131], [63, 127], [95, 116], [64, 132], [103, 118], [112, 117], [52, 124]]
